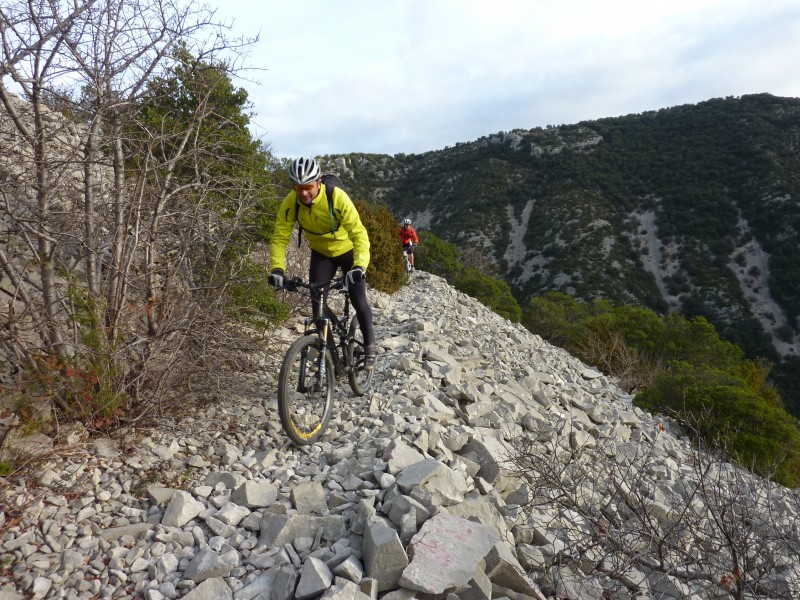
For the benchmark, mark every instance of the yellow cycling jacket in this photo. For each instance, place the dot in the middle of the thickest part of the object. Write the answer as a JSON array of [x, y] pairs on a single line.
[[315, 221]]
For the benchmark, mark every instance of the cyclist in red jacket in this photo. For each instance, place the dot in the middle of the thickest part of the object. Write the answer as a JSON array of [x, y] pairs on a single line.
[[408, 237]]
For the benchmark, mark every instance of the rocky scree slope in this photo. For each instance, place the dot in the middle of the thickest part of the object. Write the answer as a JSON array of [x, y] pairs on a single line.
[[410, 495]]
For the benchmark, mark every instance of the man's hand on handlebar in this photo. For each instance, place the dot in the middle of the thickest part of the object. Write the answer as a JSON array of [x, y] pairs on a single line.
[[276, 279], [354, 276]]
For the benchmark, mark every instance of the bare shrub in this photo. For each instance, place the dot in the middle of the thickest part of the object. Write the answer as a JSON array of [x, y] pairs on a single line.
[[648, 513], [609, 352], [116, 237]]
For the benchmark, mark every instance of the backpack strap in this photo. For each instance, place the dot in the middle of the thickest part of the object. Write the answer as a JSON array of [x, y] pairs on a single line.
[[296, 220], [329, 187]]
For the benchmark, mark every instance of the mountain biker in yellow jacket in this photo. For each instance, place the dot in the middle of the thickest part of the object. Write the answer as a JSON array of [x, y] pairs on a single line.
[[337, 240]]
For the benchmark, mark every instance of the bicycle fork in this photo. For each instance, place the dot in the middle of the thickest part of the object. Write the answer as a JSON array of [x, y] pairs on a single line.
[[316, 370]]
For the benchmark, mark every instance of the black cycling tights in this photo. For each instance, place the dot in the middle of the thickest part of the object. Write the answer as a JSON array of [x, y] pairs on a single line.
[[323, 268]]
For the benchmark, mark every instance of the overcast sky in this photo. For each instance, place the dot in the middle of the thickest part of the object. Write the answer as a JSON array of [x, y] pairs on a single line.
[[392, 76]]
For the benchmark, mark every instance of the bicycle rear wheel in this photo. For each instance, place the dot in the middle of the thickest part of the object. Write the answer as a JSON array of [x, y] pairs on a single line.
[[360, 378], [305, 399]]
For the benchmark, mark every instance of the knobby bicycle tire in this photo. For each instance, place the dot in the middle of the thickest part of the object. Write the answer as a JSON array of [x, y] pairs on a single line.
[[360, 378], [304, 402]]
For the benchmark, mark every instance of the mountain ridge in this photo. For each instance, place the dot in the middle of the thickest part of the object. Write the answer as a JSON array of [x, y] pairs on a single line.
[[691, 208]]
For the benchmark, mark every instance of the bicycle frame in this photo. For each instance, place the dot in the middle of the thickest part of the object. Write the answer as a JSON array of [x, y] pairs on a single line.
[[325, 324]]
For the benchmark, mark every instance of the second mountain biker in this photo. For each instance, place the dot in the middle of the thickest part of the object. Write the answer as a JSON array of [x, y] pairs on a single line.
[[337, 239], [408, 237]]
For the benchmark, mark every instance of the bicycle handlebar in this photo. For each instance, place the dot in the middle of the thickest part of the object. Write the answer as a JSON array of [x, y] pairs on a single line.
[[291, 285]]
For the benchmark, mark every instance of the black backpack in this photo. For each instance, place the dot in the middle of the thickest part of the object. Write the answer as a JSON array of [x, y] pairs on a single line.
[[330, 181]]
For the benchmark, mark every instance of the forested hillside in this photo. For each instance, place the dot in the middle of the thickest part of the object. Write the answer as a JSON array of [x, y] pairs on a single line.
[[692, 208]]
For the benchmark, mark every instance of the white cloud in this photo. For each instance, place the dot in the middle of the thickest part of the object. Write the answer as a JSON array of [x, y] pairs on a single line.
[[412, 75]]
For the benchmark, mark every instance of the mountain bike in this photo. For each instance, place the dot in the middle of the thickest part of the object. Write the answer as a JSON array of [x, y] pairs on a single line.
[[331, 346], [407, 262]]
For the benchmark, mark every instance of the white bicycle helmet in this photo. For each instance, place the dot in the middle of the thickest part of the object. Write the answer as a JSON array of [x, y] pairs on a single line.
[[406, 221], [304, 170]]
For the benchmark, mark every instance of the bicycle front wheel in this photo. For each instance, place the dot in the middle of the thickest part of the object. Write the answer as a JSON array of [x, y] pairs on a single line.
[[305, 393], [360, 378]]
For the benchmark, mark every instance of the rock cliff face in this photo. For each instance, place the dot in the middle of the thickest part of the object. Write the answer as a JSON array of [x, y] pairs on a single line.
[[484, 464]]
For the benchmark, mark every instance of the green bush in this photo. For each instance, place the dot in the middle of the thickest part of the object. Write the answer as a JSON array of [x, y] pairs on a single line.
[[726, 412], [490, 291], [787, 377], [438, 257], [697, 342], [640, 327], [253, 300], [559, 318], [385, 272]]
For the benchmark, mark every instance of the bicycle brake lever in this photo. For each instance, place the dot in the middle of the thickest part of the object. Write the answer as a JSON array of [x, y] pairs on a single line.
[[290, 285]]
